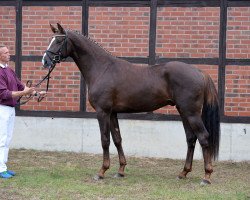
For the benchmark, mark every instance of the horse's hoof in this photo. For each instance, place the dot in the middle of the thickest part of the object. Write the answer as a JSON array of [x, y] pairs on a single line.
[[118, 175], [205, 182], [97, 177], [181, 177]]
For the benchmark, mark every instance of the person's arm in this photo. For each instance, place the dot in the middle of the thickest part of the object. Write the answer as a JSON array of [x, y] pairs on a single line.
[[23, 90], [26, 91]]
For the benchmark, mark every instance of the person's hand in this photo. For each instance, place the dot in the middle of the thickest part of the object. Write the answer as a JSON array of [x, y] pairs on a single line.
[[42, 94], [28, 90]]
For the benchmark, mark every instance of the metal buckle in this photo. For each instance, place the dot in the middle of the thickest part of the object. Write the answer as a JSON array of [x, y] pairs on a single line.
[[57, 58]]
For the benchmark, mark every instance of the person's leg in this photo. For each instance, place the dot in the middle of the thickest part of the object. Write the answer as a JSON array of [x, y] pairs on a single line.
[[4, 116], [10, 129], [4, 120]]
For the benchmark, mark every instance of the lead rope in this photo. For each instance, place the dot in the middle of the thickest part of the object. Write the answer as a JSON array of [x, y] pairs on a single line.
[[29, 84]]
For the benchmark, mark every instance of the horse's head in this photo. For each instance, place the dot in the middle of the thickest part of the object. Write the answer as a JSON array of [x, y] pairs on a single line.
[[58, 47]]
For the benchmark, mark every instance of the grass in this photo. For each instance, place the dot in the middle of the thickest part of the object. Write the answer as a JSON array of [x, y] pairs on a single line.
[[65, 176]]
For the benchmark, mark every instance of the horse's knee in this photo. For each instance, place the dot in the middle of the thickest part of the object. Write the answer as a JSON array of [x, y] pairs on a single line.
[[203, 140], [117, 139], [105, 143], [118, 142]]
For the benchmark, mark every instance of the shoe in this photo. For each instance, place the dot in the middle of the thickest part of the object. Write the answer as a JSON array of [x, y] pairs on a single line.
[[5, 175], [12, 173]]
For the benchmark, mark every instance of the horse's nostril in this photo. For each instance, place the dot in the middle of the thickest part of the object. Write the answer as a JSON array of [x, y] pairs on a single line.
[[45, 63]]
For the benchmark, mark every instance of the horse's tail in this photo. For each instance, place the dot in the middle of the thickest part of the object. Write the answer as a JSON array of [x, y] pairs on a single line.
[[211, 116]]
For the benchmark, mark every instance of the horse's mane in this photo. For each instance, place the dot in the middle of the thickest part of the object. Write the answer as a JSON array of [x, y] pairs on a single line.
[[91, 40]]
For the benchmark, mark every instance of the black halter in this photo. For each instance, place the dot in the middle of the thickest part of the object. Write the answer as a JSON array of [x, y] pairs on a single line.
[[57, 58]]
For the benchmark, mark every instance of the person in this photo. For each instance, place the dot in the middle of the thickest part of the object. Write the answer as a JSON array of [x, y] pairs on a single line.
[[11, 89]]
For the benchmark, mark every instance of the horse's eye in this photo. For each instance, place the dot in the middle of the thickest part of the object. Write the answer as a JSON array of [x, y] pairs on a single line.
[[59, 41]]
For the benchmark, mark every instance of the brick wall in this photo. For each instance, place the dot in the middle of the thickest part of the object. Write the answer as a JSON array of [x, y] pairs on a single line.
[[238, 33], [181, 32], [8, 27], [188, 32], [122, 31], [237, 95], [64, 91]]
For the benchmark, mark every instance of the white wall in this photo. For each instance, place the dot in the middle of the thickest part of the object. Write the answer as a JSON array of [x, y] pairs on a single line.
[[164, 139]]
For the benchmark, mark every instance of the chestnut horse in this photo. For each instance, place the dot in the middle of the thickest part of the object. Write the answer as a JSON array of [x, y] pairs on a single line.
[[117, 86]]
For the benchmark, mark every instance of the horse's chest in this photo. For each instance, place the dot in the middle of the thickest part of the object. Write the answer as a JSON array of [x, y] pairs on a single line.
[[100, 98]]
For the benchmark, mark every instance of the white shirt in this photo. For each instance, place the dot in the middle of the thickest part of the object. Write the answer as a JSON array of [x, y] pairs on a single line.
[[2, 65]]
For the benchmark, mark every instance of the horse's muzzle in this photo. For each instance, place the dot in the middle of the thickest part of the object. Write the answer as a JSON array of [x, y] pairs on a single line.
[[47, 64]]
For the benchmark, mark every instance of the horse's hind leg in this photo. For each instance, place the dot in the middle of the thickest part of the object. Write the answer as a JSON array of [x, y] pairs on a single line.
[[115, 132], [200, 131], [104, 124], [191, 141]]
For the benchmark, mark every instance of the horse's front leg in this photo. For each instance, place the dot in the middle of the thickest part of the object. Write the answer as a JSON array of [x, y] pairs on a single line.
[[104, 124], [115, 132]]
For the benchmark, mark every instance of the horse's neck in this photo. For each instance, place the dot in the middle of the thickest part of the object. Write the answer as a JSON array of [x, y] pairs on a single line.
[[91, 59]]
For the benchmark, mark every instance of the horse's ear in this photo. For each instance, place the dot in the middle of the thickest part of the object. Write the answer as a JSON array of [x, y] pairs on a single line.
[[60, 28], [54, 29]]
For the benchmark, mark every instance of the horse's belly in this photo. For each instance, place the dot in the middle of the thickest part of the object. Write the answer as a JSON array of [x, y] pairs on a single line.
[[142, 104]]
